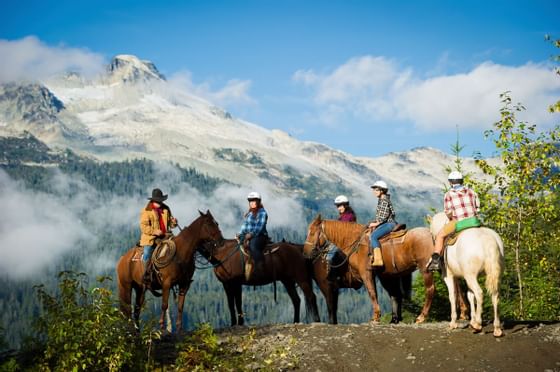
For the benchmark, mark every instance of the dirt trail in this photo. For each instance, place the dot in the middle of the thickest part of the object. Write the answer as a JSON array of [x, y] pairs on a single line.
[[405, 347]]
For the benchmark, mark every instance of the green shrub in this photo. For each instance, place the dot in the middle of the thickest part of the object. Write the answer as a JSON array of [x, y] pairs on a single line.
[[81, 329]]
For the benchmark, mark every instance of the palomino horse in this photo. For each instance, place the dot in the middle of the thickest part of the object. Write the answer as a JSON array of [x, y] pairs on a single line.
[[178, 272], [400, 261], [476, 250], [282, 261]]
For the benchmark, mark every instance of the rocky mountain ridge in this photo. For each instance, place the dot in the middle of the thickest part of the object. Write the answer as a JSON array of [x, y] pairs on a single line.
[[133, 112]]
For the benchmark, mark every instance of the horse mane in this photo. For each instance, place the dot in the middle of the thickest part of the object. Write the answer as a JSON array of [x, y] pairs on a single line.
[[338, 230]]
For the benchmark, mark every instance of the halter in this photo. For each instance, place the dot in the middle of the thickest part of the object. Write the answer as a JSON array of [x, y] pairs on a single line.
[[319, 249], [215, 244]]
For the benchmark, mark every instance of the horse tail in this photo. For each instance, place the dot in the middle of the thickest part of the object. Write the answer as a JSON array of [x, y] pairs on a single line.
[[406, 285], [494, 263]]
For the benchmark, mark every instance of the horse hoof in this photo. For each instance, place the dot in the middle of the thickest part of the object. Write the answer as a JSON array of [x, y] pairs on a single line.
[[453, 325], [394, 321], [498, 332], [374, 321], [420, 319]]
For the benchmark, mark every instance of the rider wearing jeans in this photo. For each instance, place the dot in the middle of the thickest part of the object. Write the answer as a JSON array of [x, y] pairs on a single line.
[[253, 229], [384, 221], [459, 203]]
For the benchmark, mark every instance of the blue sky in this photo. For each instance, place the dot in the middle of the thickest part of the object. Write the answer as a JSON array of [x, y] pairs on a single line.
[[366, 77]]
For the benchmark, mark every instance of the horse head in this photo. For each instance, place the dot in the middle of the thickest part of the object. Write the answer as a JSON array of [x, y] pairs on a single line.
[[315, 237], [209, 228], [437, 222]]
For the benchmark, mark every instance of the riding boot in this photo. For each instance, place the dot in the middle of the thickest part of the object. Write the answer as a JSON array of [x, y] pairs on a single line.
[[377, 257], [434, 264], [248, 269]]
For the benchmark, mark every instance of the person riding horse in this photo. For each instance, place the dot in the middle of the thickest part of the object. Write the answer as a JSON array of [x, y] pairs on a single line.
[[156, 221], [345, 211], [383, 223], [253, 231], [461, 205]]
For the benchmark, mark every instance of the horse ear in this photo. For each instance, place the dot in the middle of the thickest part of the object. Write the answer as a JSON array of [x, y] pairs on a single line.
[[429, 218], [202, 214], [318, 217], [208, 213]]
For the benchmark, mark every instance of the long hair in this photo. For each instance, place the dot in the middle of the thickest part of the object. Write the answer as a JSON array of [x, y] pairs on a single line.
[[255, 210]]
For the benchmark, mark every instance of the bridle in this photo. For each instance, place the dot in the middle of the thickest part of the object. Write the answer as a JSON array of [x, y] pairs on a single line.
[[318, 248]]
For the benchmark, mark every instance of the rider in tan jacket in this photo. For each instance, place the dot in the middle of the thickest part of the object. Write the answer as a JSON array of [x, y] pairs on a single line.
[[155, 221]]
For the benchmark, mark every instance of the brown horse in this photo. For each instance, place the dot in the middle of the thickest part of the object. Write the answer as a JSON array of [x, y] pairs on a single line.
[[411, 252], [178, 272], [282, 261]]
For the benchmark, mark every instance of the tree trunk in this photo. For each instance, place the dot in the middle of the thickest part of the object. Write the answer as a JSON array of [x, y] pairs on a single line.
[[517, 263]]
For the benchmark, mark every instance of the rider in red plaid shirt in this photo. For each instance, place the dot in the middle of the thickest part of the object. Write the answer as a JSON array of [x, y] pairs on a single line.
[[458, 203]]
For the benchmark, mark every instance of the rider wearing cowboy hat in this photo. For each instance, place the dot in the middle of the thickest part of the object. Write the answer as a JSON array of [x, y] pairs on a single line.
[[155, 221]]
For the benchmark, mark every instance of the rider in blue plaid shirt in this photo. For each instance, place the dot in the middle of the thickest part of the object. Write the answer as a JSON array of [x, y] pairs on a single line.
[[254, 231]]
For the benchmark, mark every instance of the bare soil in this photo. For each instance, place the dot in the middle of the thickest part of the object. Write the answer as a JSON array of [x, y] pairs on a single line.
[[525, 346]]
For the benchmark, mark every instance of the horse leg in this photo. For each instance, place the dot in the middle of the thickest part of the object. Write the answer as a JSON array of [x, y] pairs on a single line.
[[497, 323], [476, 291], [450, 282], [238, 296], [310, 300], [460, 295], [164, 304], [125, 297], [430, 288], [369, 281], [393, 289], [296, 301], [231, 305], [180, 304], [139, 294]]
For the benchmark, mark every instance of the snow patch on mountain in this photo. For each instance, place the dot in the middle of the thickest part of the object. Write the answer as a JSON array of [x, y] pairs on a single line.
[[133, 112]]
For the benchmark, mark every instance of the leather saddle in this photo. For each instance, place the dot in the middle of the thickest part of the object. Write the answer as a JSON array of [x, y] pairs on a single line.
[[398, 231]]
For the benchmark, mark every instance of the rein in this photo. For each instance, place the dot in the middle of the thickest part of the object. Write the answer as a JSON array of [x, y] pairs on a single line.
[[220, 262], [321, 249]]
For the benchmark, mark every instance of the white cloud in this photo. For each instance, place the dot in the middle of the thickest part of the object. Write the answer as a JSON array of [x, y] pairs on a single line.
[[235, 92], [375, 89], [38, 229], [30, 59]]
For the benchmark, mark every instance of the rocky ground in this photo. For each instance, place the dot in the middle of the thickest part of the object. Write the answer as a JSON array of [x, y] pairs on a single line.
[[526, 346]]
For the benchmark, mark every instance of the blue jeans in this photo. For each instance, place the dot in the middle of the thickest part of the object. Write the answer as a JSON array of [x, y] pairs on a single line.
[[256, 247], [381, 230], [148, 250]]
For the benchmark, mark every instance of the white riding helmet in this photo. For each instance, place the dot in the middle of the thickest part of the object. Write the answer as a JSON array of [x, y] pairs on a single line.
[[455, 176], [341, 199], [254, 195], [380, 185]]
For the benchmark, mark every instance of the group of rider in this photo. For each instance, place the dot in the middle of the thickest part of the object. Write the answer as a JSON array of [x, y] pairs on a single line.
[[460, 204]]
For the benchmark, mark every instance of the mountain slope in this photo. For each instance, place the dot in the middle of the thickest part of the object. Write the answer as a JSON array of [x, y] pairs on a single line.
[[133, 112]]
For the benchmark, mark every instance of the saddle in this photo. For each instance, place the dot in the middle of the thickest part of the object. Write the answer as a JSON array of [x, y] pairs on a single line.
[[452, 238], [398, 231]]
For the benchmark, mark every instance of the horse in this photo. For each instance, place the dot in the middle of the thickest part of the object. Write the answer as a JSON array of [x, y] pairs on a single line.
[[282, 261], [476, 250], [179, 271], [401, 259]]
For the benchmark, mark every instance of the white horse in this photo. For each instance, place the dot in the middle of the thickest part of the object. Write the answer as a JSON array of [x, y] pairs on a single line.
[[476, 250]]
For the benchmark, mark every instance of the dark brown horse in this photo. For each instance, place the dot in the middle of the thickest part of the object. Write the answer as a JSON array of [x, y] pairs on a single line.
[[178, 272], [282, 261], [401, 258]]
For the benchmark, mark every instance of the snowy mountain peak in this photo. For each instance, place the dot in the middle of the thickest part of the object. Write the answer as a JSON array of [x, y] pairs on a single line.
[[130, 69]]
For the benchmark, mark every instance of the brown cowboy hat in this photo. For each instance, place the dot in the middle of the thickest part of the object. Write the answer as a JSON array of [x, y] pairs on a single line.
[[157, 196]]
